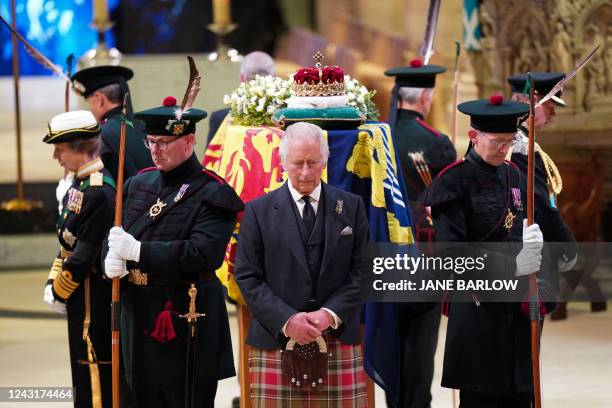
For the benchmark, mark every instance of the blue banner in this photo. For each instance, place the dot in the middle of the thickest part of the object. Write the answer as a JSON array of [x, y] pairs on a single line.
[[471, 26]]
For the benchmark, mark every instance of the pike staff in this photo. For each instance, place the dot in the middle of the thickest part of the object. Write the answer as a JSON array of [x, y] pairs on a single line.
[[116, 290], [534, 300], [455, 92]]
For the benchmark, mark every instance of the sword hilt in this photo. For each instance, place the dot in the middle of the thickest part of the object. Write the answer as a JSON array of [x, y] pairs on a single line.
[[192, 316]]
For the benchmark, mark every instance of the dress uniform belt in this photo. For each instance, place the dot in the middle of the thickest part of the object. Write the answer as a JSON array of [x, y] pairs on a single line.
[[139, 278]]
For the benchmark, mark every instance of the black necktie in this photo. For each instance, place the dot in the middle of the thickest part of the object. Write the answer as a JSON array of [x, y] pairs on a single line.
[[308, 215]]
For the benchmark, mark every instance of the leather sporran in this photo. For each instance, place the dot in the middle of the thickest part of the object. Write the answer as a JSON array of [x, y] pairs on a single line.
[[305, 366]]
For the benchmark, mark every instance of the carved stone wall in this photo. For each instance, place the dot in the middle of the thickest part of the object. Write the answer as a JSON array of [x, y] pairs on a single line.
[[553, 35]]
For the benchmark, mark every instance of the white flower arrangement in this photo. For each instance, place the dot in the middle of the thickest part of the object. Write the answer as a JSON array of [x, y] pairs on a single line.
[[360, 98], [254, 102]]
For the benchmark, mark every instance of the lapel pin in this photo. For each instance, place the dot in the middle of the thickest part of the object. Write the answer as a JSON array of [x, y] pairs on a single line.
[[339, 205]]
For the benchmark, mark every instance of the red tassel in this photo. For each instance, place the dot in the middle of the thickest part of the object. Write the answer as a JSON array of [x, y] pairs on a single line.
[[525, 307], [445, 305], [163, 331]]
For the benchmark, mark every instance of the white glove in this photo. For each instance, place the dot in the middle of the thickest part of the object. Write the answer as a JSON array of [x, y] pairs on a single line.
[[124, 244], [567, 266], [114, 265], [529, 259], [49, 299]]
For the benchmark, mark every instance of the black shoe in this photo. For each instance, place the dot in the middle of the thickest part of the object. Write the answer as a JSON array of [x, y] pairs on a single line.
[[236, 402]]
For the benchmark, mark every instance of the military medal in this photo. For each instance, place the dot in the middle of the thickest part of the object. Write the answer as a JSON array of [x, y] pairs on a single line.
[[181, 192], [516, 197], [509, 220], [339, 205], [156, 208], [75, 200]]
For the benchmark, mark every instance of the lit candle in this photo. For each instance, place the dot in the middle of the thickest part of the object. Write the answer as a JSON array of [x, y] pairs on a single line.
[[100, 11], [221, 12]]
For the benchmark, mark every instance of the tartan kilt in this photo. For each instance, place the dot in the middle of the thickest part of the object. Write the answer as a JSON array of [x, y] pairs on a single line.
[[345, 386]]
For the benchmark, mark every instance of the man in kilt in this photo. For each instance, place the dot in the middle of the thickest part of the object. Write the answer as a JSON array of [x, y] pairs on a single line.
[[298, 266]]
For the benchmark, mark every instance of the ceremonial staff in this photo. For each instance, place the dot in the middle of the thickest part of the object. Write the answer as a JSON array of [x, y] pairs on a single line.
[[69, 61], [427, 50], [559, 85], [20, 195], [534, 301], [455, 92], [116, 296], [20, 203]]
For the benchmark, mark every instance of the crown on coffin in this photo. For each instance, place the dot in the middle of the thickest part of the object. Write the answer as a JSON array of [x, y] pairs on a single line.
[[318, 80]]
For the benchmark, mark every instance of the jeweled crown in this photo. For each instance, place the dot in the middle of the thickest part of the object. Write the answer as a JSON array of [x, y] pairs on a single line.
[[319, 80]]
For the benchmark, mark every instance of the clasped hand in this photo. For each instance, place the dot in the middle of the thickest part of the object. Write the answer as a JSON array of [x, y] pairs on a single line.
[[305, 327]]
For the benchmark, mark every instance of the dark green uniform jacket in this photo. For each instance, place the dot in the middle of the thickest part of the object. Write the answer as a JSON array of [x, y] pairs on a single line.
[[182, 244], [137, 157], [487, 346], [81, 229], [412, 134]]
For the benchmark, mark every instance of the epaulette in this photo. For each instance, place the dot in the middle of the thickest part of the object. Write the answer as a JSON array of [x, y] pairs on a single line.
[[450, 166], [214, 175], [97, 179], [147, 169], [435, 132]]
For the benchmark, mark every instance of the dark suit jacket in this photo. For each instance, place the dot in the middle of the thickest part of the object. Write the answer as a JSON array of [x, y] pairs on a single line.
[[137, 157], [216, 118], [272, 272]]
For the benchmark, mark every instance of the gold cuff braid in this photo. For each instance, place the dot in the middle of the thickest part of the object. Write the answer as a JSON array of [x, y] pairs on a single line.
[[56, 268]]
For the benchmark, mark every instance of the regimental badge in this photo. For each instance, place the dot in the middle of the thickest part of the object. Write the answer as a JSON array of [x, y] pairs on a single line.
[[181, 192], [516, 198], [339, 206], [156, 208], [509, 220], [75, 200], [69, 237], [176, 126], [96, 179]]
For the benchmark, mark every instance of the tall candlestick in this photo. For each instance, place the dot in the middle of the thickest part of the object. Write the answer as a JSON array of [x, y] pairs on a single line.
[[100, 11], [221, 12]]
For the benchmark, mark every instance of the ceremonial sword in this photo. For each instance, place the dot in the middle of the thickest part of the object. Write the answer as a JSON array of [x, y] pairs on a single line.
[[192, 320]]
